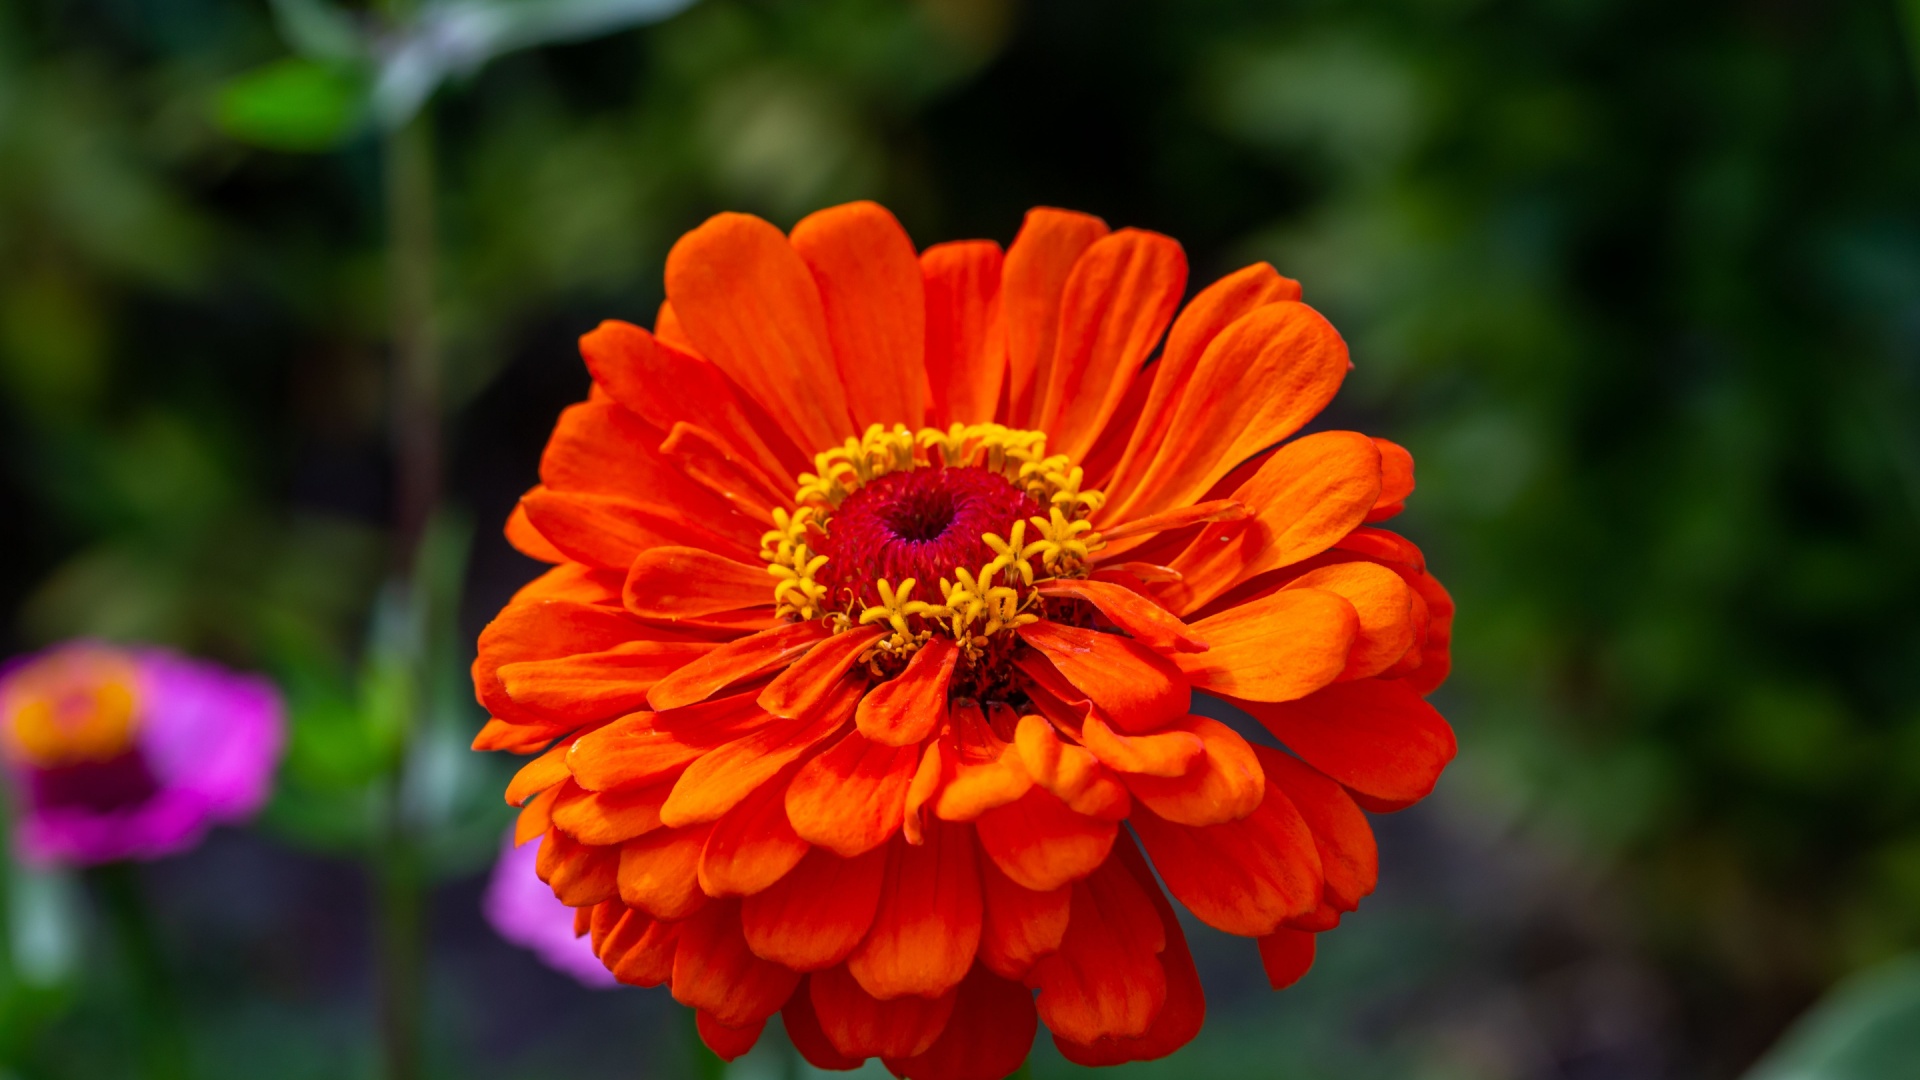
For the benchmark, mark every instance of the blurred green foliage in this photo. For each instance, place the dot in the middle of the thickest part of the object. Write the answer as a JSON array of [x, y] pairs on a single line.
[[1638, 283]]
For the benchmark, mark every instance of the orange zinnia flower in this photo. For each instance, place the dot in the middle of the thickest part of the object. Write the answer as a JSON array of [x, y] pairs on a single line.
[[881, 585]]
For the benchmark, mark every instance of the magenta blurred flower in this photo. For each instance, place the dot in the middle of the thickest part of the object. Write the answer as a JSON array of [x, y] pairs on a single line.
[[523, 910], [131, 753]]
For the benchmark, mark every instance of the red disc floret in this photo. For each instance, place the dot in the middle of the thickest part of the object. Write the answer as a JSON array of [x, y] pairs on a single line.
[[920, 524]]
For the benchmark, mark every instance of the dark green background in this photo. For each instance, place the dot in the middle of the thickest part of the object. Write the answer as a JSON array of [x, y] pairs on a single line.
[[1637, 282]]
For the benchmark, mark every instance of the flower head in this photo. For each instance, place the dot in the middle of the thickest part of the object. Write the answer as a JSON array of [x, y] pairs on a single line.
[[881, 584], [131, 753], [524, 911]]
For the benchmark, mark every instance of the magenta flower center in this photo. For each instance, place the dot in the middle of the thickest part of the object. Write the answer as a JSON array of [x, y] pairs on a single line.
[[920, 524]]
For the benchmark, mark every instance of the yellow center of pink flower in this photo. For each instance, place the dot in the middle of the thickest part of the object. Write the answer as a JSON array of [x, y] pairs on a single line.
[[77, 706]]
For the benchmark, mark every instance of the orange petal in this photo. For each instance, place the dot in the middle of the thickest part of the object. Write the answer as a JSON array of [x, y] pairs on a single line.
[[1375, 736], [928, 776], [1262, 377], [498, 734], [989, 1034], [712, 463], [815, 675], [1137, 688], [1178, 518], [908, 707], [869, 281], [1034, 278], [1212, 310], [527, 540], [1349, 861], [861, 1026], [1224, 784], [1106, 978], [600, 448], [751, 307], [726, 1042], [966, 340], [644, 748], [659, 872], [714, 970], [977, 787], [610, 531], [1146, 621], [633, 365], [803, 1030], [1041, 844], [1286, 954], [538, 775], [718, 782], [610, 817], [1245, 877], [928, 923], [1277, 648], [1179, 1020], [752, 845], [678, 582], [851, 798], [1164, 753], [815, 915], [1069, 771], [1305, 497], [736, 661], [639, 949], [588, 686], [1117, 302], [1385, 605], [537, 815], [580, 874], [535, 628], [1018, 925]]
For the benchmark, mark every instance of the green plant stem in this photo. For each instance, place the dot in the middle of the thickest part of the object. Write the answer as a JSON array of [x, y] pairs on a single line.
[[416, 438], [163, 1046]]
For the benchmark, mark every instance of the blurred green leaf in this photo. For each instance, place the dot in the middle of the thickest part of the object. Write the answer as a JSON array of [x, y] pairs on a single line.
[[1866, 1029], [296, 105]]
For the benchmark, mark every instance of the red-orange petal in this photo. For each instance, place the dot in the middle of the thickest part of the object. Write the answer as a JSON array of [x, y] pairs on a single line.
[[1212, 310], [1018, 924], [718, 781], [659, 872], [909, 707], [815, 675], [817, 913], [682, 582], [1376, 736], [609, 817], [714, 970], [1179, 1020], [1035, 276], [736, 661], [989, 1035], [870, 289], [1147, 622], [1118, 300], [1276, 648], [752, 845], [639, 950], [1225, 782], [588, 686], [804, 1031], [750, 305], [1106, 978], [1137, 688], [1286, 955], [727, 1043], [1168, 753], [1245, 877], [966, 347], [580, 874], [851, 798], [1349, 861], [927, 927], [1384, 603], [860, 1025], [1261, 378], [1042, 844], [1396, 480]]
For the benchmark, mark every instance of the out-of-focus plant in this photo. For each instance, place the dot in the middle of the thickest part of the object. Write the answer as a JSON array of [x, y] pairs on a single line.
[[1868, 1028]]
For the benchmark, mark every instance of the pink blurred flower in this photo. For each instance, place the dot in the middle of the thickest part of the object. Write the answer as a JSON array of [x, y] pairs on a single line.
[[524, 910], [131, 753]]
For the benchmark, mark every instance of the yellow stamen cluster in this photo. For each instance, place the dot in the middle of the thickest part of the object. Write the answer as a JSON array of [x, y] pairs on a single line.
[[973, 606]]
